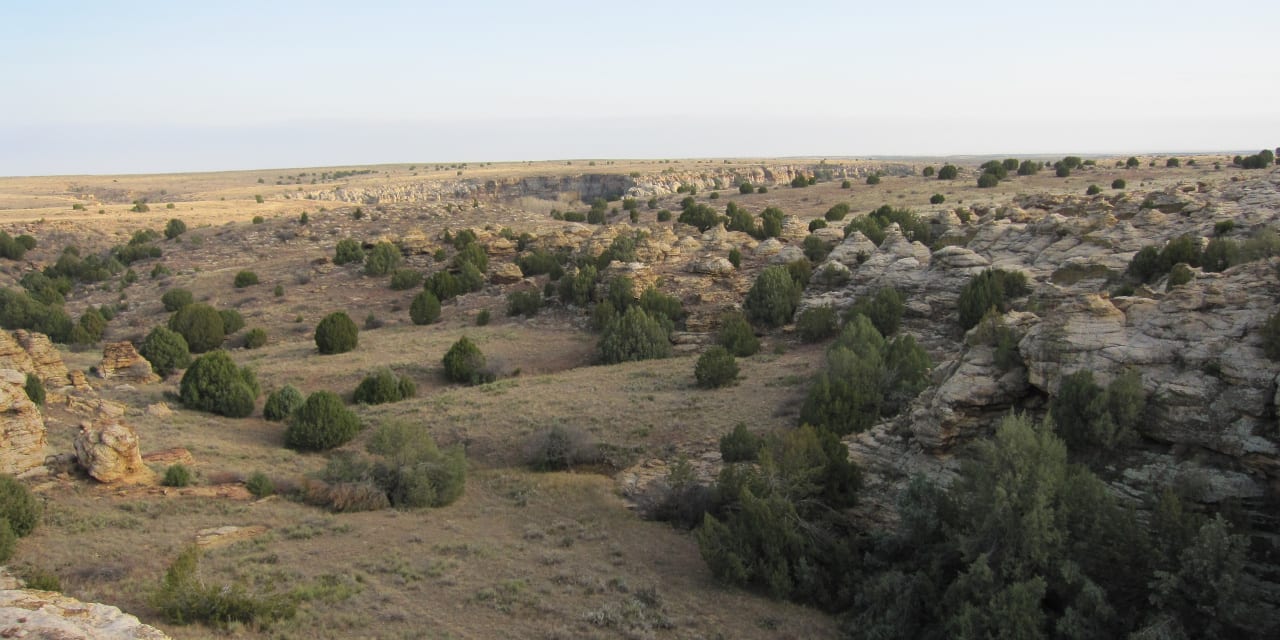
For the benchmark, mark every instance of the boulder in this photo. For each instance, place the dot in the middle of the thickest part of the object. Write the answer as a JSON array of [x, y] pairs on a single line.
[[788, 253], [853, 250], [711, 266], [29, 613], [22, 430], [108, 450], [769, 247], [505, 273], [121, 361]]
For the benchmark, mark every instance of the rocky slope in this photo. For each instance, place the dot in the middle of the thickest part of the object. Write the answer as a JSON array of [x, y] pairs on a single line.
[[1212, 419], [589, 186]]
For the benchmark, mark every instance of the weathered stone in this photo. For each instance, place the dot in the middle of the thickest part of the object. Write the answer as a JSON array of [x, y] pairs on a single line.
[[22, 430], [120, 360], [13, 356], [505, 273], [108, 450], [28, 613], [175, 455], [44, 356], [711, 266], [769, 247], [789, 253], [159, 410]]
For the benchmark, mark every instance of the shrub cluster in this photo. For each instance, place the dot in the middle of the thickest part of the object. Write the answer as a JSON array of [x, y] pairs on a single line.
[[715, 368], [526, 303], [183, 598], [425, 308], [773, 298], [635, 335], [200, 325], [1260, 160], [15, 248], [337, 333], [18, 310], [405, 279], [19, 514], [560, 448], [321, 423], [817, 323], [281, 403], [874, 225], [1086, 416], [382, 259], [348, 251], [245, 279], [34, 389], [404, 469], [213, 383], [176, 298], [255, 338], [166, 350], [384, 386], [866, 377], [736, 335], [465, 363], [993, 288]]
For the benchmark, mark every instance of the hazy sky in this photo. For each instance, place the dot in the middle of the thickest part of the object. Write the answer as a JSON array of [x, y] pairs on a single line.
[[174, 86]]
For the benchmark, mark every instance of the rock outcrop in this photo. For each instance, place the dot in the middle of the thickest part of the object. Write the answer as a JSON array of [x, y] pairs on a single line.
[[29, 613], [22, 430], [121, 361], [505, 273], [107, 450], [44, 358]]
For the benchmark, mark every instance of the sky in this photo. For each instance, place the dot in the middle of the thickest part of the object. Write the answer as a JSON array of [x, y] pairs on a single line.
[[127, 87]]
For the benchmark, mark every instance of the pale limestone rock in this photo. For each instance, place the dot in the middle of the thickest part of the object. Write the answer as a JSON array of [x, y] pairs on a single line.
[[788, 253], [28, 613], [715, 266], [853, 250], [768, 248]]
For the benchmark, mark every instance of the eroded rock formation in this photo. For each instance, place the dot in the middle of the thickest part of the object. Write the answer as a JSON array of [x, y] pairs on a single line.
[[121, 361], [107, 449], [22, 431]]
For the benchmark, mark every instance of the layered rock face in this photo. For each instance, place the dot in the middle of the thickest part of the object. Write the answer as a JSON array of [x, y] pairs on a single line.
[[120, 360], [45, 360], [1212, 411], [28, 613], [22, 431]]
